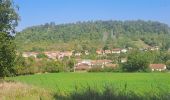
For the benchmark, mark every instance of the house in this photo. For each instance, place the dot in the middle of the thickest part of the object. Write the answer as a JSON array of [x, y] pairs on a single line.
[[52, 54], [99, 52], [153, 48], [66, 53], [29, 54], [101, 63], [116, 51], [82, 67], [88, 64], [86, 52], [123, 60], [157, 67], [85, 61], [107, 51], [60, 56], [123, 50], [78, 54]]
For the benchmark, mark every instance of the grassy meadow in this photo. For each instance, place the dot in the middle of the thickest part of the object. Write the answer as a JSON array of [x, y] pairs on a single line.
[[100, 86], [69, 81]]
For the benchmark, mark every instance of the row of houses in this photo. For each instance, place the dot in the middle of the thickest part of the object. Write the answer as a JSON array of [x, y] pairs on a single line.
[[60, 55], [55, 54], [124, 50], [50, 54], [113, 51], [155, 48], [85, 65]]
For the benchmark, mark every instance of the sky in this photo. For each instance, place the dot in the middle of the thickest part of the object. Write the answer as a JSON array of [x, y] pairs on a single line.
[[37, 12]]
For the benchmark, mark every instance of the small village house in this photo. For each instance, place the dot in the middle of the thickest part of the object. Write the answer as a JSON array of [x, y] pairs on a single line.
[[99, 52], [123, 60], [29, 54], [86, 52], [101, 63], [82, 67], [116, 51], [107, 51], [52, 54], [157, 67], [123, 50]]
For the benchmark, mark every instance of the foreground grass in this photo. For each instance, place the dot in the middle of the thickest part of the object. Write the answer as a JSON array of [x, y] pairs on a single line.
[[99, 86], [66, 82], [19, 91]]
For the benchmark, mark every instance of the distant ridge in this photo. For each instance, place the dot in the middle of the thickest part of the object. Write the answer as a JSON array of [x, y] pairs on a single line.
[[93, 35]]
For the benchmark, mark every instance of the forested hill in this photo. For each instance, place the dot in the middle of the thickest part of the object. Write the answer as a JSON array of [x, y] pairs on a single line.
[[94, 35]]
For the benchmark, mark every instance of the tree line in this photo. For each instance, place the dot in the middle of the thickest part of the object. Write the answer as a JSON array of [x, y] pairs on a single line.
[[94, 35]]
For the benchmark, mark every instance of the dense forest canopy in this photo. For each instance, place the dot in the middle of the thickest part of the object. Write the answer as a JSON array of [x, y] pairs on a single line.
[[94, 35]]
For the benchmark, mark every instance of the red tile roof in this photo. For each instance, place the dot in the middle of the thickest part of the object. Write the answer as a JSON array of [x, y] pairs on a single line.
[[157, 66]]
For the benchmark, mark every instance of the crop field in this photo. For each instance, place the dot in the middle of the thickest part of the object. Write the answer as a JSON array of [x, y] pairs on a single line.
[[138, 82]]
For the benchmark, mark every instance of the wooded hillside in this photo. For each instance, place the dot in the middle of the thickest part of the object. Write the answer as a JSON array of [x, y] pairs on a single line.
[[93, 35]]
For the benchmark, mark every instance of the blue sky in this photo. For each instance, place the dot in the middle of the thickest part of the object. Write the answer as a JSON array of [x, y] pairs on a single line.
[[36, 12]]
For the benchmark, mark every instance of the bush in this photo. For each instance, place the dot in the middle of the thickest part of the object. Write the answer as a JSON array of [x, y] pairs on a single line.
[[31, 66], [137, 61], [95, 69], [42, 55], [54, 66], [105, 69], [168, 64]]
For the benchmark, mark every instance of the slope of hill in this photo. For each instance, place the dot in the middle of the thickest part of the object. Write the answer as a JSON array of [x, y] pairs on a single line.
[[93, 35]]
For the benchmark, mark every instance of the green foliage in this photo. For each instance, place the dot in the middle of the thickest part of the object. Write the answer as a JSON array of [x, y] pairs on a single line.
[[41, 55], [96, 69], [168, 64], [54, 66], [8, 17], [19, 64], [94, 34], [8, 22], [113, 93], [142, 84], [7, 55], [138, 61], [105, 47], [161, 57], [33, 65], [105, 69]]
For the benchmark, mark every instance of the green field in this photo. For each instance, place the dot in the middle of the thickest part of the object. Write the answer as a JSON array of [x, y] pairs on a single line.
[[68, 81]]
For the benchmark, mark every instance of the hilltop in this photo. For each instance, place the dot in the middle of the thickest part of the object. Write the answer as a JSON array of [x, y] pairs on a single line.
[[94, 35]]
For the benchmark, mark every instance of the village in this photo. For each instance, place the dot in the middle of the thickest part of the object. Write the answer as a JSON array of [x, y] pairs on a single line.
[[86, 64]]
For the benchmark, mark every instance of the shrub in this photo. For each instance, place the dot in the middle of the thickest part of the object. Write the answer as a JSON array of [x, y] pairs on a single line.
[[95, 69], [168, 64], [137, 61], [42, 55]]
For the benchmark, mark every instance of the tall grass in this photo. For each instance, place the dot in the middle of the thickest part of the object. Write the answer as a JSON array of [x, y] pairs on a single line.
[[102, 86], [110, 92], [20, 91]]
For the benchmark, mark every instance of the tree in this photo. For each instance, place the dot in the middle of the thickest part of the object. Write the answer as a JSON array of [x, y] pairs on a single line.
[[20, 64], [137, 61], [105, 47], [168, 64], [8, 22]]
